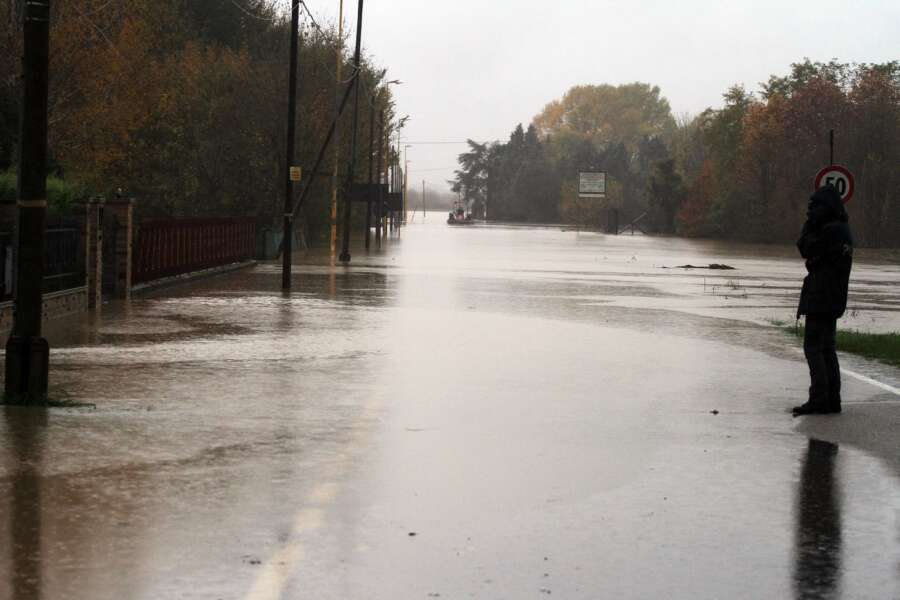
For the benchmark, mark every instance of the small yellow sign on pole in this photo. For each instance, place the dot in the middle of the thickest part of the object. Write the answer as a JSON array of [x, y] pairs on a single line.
[[296, 173]]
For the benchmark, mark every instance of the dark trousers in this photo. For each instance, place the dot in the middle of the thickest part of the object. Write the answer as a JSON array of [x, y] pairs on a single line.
[[824, 370]]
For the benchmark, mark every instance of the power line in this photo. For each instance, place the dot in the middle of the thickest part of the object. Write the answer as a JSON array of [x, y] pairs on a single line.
[[253, 16], [311, 17]]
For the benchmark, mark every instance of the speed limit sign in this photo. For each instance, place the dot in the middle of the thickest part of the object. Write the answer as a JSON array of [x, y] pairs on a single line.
[[840, 178]]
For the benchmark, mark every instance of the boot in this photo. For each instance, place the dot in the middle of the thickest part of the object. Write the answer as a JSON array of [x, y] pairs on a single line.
[[815, 408]]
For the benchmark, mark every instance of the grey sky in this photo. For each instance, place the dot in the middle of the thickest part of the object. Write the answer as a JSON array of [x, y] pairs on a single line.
[[474, 69]]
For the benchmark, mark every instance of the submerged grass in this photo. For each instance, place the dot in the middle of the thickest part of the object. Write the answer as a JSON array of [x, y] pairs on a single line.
[[879, 346]]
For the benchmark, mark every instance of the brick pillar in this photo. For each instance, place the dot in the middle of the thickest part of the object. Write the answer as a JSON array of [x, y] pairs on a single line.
[[93, 245], [123, 209]]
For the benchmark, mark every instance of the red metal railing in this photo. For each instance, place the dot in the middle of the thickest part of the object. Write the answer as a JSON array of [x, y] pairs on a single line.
[[168, 247]]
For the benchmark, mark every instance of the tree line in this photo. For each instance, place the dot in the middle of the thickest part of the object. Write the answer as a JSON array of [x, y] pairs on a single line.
[[182, 104], [742, 171]]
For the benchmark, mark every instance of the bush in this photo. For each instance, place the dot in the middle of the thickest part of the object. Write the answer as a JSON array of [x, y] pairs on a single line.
[[8, 187], [62, 196]]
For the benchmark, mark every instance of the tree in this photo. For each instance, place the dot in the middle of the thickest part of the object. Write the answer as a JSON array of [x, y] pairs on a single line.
[[625, 127], [665, 195], [181, 103], [472, 177]]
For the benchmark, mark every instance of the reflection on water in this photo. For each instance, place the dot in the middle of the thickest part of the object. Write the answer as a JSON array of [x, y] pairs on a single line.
[[25, 427], [817, 545]]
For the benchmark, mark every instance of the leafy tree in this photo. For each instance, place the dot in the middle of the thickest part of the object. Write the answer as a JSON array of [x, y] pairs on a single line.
[[666, 193], [472, 177], [182, 103], [760, 155]]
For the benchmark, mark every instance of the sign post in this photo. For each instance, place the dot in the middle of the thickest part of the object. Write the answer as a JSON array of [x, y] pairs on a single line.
[[591, 184]]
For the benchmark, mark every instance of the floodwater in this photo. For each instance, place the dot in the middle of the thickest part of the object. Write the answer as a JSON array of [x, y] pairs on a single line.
[[479, 412]]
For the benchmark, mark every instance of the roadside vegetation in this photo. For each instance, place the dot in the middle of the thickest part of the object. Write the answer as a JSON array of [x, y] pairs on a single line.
[[180, 103], [741, 171], [62, 196], [884, 347]]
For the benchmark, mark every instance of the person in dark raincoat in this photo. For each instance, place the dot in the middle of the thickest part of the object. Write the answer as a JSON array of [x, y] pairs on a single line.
[[827, 245]]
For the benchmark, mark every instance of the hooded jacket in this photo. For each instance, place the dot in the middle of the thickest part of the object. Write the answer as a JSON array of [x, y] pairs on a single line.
[[827, 245]]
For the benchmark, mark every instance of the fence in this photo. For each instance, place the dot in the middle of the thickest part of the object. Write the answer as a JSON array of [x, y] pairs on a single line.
[[169, 247], [63, 261]]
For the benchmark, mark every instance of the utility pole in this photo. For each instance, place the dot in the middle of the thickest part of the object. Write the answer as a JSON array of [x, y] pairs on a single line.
[[405, 182], [380, 208], [337, 137], [27, 353], [423, 201], [371, 174], [394, 183], [288, 226], [357, 65]]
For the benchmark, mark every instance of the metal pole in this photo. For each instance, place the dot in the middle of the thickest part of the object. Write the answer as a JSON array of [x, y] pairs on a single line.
[[405, 183], [395, 164], [27, 353], [357, 63], [831, 147], [387, 179], [288, 225], [380, 208], [371, 175]]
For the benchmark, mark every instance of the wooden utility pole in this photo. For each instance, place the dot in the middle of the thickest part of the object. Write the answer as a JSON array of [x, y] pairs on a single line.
[[27, 353], [357, 65], [337, 138], [288, 225]]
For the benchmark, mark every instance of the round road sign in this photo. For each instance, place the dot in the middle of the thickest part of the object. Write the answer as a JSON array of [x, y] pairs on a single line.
[[840, 178]]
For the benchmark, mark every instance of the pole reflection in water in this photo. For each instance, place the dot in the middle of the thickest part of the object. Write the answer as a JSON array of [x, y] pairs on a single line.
[[817, 545], [26, 429]]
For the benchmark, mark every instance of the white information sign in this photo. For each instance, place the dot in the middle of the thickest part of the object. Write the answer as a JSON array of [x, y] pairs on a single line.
[[592, 184]]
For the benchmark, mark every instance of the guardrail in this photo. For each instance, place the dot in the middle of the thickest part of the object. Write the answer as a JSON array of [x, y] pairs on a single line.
[[63, 261], [170, 247]]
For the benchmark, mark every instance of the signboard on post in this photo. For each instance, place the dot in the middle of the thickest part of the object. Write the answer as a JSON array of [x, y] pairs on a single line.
[[365, 192], [395, 201], [838, 176], [296, 173], [592, 184]]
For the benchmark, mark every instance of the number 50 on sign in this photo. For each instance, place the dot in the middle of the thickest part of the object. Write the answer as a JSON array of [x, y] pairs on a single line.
[[838, 176]]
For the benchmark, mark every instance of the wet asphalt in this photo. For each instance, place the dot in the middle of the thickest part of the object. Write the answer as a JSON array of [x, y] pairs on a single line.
[[480, 412]]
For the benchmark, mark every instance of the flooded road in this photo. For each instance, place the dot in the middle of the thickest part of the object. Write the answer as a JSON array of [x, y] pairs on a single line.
[[483, 412]]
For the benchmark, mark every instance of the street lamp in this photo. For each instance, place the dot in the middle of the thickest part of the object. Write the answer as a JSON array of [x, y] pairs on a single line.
[[382, 168], [405, 178], [401, 123]]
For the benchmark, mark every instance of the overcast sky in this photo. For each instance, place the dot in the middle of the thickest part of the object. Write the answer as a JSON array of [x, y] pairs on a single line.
[[476, 68]]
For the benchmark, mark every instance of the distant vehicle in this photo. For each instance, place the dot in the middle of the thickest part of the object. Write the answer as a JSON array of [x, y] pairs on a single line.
[[458, 216]]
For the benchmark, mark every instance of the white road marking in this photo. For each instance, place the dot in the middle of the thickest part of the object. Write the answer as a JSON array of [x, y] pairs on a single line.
[[865, 379], [869, 380], [276, 573]]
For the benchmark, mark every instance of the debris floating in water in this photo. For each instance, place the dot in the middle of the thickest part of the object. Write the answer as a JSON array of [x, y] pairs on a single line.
[[711, 266]]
